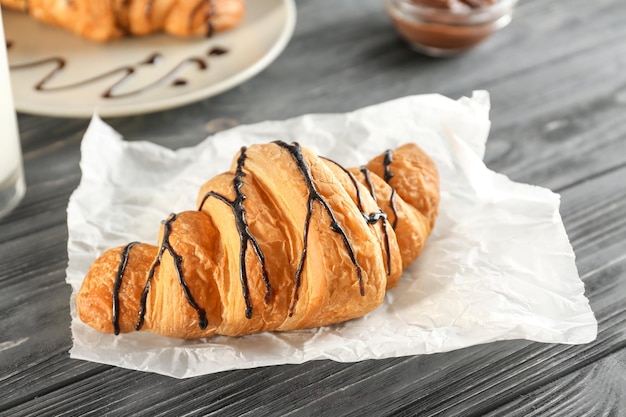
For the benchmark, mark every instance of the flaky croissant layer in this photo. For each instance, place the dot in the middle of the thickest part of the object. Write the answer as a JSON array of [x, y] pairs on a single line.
[[285, 240], [104, 20]]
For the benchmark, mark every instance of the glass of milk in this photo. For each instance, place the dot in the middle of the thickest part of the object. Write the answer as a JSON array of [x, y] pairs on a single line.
[[12, 185]]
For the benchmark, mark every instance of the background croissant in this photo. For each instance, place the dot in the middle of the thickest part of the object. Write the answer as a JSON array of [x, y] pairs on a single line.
[[284, 240], [103, 20]]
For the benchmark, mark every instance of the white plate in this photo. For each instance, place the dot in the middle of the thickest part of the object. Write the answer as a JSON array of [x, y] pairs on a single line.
[[183, 71]]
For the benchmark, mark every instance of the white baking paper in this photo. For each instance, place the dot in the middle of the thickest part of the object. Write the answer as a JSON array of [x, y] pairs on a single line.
[[497, 266]]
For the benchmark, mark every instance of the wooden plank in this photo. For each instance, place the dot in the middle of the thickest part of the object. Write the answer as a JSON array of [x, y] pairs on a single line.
[[595, 390], [558, 92]]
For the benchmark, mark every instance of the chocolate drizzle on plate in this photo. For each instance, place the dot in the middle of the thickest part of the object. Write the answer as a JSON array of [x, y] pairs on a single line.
[[370, 218], [178, 263], [217, 51], [124, 73], [58, 62], [117, 285], [127, 71], [388, 160], [245, 236], [314, 196]]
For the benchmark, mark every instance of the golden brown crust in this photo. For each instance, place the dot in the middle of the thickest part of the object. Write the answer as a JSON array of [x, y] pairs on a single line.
[[195, 239], [112, 19], [415, 178], [280, 242], [20, 5], [95, 297], [411, 227], [353, 181], [264, 315]]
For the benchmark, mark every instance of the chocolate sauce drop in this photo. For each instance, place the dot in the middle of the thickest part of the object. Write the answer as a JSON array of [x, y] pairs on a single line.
[[314, 196], [217, 51], [155, 58], [388, 160], [179, 82], [9, 44], [178, 263], [245, 236], [118, 284]]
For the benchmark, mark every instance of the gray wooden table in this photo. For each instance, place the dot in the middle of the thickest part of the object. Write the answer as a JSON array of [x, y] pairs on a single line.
[[557, 78]]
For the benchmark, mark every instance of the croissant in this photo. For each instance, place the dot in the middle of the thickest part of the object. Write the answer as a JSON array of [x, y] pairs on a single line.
[[103, 20], [284, 240]]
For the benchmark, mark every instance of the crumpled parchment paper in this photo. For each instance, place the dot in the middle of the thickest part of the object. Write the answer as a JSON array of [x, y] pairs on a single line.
[[498, 265]]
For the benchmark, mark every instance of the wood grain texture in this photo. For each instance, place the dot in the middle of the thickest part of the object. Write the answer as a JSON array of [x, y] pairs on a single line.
[[558, 87]]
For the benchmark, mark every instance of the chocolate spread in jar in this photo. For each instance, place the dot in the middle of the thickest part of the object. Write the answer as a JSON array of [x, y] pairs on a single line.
[[453, 4], [445, 27]]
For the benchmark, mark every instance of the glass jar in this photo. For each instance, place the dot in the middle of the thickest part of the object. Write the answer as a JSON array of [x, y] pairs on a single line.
[[445, 28]]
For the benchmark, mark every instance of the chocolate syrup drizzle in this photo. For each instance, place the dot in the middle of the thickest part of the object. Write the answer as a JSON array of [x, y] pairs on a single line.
[[122, 25], [209, 18], [245, 236], [216, 51], [178, 261], [296, 153], [118, 285], [368, 181], [209, 10], [126, 71], [388, 160], [371, 218], [148, 7]]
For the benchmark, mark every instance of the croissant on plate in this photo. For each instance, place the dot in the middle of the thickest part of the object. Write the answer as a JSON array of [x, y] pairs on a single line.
[[284, 240], [104, 20]]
